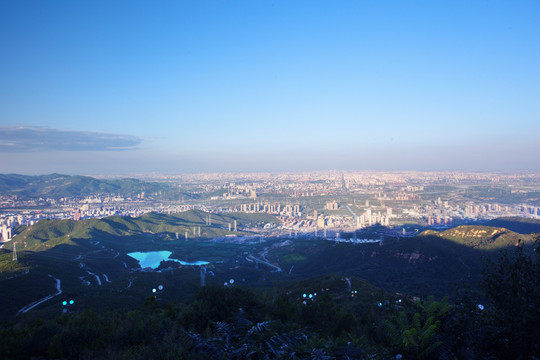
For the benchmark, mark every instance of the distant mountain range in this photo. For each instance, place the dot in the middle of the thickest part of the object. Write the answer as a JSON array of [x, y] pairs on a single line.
[[56, 186]]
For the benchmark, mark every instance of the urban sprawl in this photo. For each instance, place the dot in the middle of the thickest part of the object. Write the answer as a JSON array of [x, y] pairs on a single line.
[[315, 203]]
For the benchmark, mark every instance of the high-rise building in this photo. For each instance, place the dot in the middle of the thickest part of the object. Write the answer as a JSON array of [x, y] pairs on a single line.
[[332, 205], [320, 222], [5, 233]]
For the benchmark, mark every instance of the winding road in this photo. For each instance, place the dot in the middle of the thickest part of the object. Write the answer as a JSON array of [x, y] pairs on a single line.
[[36, 303], [96, 276], [252, 258]]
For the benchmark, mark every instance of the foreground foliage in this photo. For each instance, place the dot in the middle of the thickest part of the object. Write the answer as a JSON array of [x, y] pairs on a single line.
[[336, 323]]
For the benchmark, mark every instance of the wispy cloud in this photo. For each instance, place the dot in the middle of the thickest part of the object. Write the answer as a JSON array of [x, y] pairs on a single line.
[[22, 138]]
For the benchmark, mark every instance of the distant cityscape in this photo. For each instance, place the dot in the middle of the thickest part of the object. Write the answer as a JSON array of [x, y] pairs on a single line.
[[306, 203]]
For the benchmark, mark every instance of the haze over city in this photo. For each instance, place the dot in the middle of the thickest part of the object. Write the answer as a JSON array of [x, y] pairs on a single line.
[[211, 179], [132, 87]]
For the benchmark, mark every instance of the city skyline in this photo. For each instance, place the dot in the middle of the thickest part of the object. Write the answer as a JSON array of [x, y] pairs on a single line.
[[134, 87]]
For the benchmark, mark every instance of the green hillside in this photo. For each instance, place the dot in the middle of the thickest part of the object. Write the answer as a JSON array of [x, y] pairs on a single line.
[[431, 263], [57, 186], [482, 237], [362, 301], [49, 233], [90, 257]]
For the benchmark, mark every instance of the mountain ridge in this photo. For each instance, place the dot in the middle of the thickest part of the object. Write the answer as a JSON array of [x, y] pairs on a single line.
[[58, 185], [481, 236]]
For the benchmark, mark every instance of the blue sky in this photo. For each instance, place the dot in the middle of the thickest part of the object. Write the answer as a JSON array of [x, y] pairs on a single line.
[[185, 86]]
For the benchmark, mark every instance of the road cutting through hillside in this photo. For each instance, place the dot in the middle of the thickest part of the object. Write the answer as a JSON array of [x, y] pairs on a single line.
[[42, 300]]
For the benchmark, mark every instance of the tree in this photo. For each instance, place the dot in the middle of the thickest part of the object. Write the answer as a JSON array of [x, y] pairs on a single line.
[[512, 284], [419, 332]]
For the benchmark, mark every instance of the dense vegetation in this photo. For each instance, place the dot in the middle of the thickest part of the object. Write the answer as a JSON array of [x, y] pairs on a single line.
[[49, 233], [356, 322], [233, 323], [344, 319], [486, 302]]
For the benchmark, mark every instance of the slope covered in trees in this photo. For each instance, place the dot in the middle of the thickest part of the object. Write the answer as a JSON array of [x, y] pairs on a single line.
[[331, 300], [57, 186], [329, 317]]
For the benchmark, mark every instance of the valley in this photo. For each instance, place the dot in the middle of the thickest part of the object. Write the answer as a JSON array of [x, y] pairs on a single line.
[[94, 260]]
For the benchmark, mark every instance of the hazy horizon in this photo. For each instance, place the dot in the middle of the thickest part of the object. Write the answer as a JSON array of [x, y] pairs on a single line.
[[134, 87]]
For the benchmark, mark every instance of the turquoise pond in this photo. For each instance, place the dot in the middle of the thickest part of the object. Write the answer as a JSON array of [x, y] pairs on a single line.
[[152, 259]]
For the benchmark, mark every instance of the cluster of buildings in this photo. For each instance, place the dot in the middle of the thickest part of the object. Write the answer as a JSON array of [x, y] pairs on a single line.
[[10, 221], [274, 209], [5, 233], [446, 212], [305, 202]]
